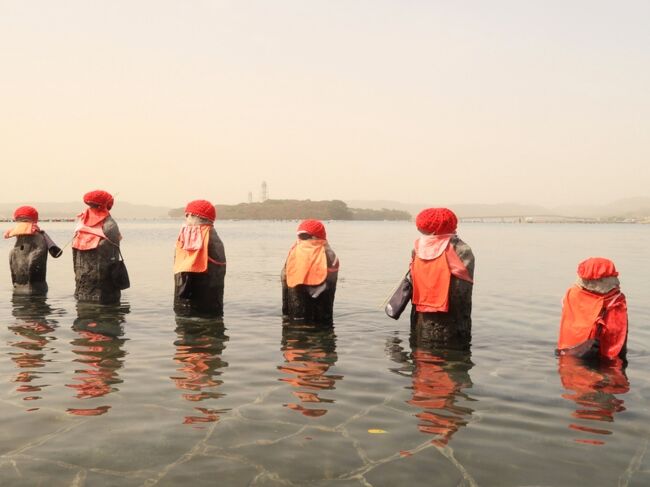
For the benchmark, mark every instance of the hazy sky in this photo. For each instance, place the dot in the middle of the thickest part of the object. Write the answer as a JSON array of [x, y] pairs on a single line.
[[438, 102]]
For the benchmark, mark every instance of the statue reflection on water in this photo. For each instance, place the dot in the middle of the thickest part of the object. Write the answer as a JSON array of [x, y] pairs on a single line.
[[99, 352], [593, 387], [439, 379], [33, 344], [199, 346], [309, 351]]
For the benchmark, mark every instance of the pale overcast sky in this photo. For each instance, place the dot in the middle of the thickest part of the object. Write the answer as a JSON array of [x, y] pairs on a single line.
[[440, 102]]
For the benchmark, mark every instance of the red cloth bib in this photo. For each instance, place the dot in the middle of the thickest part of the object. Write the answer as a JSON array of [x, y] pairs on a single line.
[[307, 263], [587, 315]]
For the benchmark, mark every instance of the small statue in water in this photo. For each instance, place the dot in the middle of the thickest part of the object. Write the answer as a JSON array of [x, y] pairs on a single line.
[[96, 252], [442, 271], [309, 277], [199, 263], [28, 258], [594, 313]]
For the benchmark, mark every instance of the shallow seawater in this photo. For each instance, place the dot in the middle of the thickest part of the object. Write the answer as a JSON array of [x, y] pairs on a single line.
[[131, 395]]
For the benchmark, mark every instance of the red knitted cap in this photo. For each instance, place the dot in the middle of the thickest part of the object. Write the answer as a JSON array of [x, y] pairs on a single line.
[[439, 221], [202, 208], [596, 268], [99, 198], [28, 212], [314, 228]]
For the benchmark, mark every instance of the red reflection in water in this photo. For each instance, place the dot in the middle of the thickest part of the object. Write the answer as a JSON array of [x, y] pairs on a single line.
[[209, 416], [98, 411], [309, 353], [28, 388], [30, 355], [198, 352], [435, 391], [100, 352], [592, 388]]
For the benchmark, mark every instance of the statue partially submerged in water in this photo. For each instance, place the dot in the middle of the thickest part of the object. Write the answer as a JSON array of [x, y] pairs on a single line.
[[28, 258], [442, 271], [199, 263], [594, 314], [309, 277], [98, 265]]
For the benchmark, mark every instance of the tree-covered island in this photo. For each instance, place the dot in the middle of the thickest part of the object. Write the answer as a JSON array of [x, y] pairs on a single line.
[[299, 209]]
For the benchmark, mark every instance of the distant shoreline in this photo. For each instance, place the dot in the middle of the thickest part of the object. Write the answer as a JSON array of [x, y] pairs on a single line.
[[505, 220], [301, 209]]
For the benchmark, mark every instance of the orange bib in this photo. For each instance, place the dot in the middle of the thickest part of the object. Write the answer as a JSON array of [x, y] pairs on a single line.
[[88, 238], [434, 262], [22, 228], [583, 313], [90, 229], [431, 280], [192, 249], [307, 263]]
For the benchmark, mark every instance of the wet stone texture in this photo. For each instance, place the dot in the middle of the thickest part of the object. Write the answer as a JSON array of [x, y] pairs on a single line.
[[93, 269], [28, 263]]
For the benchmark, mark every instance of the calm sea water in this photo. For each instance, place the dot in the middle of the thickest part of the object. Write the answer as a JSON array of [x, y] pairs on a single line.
[[129, 395]]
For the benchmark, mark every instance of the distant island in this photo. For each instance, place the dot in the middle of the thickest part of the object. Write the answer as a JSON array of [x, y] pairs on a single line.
[[629, 210], [298, 210]]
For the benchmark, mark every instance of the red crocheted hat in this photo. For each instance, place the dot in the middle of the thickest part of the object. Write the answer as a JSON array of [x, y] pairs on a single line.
[[202, 208], [439, 221], [99, 198], [314, 228], [26, 212], [596, 268]]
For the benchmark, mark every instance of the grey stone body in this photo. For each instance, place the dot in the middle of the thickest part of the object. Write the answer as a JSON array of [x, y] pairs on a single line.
[[452, 329], [93, 268], [28, 263], [298, 305], [201, 293]]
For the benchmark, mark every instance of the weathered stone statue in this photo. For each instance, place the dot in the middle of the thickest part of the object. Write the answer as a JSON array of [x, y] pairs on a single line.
[[442, 270], [96, 251], [199, 263], [309, 277], [28, 258], [594, 314]]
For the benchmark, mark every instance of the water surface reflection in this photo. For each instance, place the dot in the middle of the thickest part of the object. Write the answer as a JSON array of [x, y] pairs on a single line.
[[439, 378], [309, 352], [199, 346], [592, 388], [34, 329], [98, 347]]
